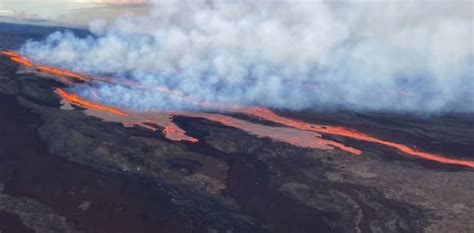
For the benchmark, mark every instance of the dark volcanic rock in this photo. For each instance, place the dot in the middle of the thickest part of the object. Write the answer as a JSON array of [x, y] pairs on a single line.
[[65, 171]]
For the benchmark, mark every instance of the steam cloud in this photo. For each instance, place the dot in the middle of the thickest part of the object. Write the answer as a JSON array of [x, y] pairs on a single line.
[[400, 55]]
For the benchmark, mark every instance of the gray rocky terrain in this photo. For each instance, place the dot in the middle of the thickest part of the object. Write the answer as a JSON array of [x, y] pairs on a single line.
[[65, 171]]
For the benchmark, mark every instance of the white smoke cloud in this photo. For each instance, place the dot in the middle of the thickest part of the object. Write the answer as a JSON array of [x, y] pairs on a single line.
[[408, 55]]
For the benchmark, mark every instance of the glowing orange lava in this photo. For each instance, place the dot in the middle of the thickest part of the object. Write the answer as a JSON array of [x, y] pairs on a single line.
[[51, 70], [271, 116], [84, 103], [22, 61], [175, 133], [295, 132], [10, 54], [59, 72], [17, 58], [284, 134], [171, 131]]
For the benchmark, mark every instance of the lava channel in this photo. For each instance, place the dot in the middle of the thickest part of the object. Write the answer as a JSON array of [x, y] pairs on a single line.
[[269, 115], [173, 132], [129, 119], [50, 70]]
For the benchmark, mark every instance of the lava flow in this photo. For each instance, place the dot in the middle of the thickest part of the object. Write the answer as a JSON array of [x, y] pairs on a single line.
[[294, 132], [17, 58], [75, 99], [284, 134], [269, 115], [50, 70], [171, 131], [59, 72]]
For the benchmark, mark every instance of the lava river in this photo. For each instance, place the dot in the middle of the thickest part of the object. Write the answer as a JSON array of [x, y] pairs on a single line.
[[290, 131]]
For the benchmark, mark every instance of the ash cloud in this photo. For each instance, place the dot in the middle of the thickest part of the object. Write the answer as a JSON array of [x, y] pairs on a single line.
[[395, 55]]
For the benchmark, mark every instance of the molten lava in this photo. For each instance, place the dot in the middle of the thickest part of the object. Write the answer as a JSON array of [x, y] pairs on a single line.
[[175, 133], [284, 134], [75, 99], [59, 72], [17, 58], [267, 114], [171, 131], [10, 54], [294, 132], [50, 70]]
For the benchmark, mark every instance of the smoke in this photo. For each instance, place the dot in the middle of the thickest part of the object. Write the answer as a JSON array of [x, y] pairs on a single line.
[[395, 55]]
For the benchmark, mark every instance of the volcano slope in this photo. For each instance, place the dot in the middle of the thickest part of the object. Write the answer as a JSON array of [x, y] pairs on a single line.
[[70, 171]]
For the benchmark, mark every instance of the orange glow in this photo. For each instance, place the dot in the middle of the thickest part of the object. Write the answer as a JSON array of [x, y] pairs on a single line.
[[22, 61], [10, 54], [54, 71], [17, 58], [75, 99], [299, 134], [175, 133], [59, 72], [271, 116], [171, 131], [177, 95], [343, 147], [283, 134]]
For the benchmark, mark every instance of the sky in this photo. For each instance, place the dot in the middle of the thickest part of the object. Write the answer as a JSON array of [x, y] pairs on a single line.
[[76, 12]]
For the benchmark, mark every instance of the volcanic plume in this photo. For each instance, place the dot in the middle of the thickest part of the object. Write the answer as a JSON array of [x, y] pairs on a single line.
[[290, 131], [281, 54]]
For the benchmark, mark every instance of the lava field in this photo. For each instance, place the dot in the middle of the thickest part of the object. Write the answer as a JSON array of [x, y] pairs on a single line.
[[71, 164]]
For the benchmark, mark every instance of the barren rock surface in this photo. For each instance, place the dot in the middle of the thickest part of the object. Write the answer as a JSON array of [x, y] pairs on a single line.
[[65, 171]]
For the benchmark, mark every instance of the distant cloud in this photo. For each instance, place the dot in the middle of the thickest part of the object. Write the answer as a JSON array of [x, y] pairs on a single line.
[[70, 12], [122, 1]]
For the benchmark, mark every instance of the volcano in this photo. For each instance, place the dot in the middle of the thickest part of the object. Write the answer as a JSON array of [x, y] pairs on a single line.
[[89, 166]]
